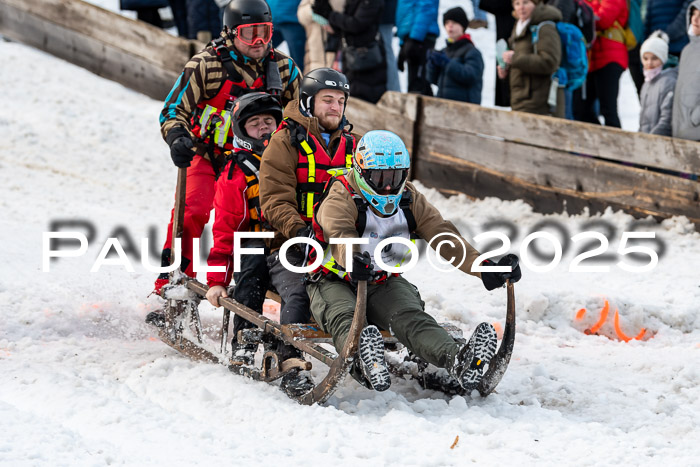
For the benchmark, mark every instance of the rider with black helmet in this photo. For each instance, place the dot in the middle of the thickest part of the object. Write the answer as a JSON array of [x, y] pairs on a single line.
[[237, 209], [309, 146], [196, 120]]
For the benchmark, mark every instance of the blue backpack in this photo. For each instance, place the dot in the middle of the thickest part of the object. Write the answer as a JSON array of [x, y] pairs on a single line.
[[574, 59]]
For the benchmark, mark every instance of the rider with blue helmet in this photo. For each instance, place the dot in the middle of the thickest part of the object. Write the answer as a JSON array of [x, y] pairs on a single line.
[[374, 201]]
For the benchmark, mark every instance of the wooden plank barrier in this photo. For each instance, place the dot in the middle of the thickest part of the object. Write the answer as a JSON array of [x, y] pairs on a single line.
[[133, 53], [553, 164]]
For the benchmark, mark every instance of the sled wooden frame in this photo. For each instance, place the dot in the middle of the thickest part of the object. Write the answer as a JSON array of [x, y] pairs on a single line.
[[308, 339]]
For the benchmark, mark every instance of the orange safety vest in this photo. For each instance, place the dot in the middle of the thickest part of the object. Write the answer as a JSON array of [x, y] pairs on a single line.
[[250, 166]]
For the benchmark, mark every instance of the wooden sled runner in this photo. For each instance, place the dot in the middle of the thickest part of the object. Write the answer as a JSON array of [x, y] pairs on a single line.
[[182, 313]]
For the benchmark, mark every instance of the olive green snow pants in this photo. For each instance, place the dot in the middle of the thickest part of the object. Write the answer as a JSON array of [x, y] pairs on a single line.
[[394, 305]]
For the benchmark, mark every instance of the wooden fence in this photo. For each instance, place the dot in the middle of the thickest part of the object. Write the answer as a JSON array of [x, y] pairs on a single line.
[[552, 164]]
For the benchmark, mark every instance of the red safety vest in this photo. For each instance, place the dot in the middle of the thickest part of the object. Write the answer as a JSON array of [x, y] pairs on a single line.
[[314, 164], [215, 115]]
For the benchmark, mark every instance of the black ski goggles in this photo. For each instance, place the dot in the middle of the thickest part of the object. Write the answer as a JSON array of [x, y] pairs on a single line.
[[379, 180]]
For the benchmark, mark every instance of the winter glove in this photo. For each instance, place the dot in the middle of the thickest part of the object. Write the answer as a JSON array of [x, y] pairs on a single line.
[[494, 280], [438, 59], [181, 145], [321, 8], [362, 268], [401, 60], [304, 231]]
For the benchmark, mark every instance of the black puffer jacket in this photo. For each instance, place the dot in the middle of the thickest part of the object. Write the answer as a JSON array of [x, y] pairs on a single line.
[[359, 26]]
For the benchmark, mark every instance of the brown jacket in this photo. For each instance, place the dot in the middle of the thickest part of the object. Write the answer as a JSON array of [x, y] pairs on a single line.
[[278, 178], [338, 214], [530, 72]]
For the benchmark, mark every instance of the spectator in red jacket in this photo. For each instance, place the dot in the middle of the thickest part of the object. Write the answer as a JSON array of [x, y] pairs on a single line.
[[608, 59], [237, 209]]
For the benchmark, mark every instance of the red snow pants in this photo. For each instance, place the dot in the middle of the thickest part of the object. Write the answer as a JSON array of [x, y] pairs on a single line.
[[199, 201]]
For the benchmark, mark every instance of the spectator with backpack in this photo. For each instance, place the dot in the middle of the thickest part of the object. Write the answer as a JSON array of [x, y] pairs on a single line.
[[608, 59], [657, 92], [458, 68], [686, 99], [529, 65]]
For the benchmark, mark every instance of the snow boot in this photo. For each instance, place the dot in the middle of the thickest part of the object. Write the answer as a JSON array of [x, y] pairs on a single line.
[[297, 383], [372, 363], [156, 318], [468, 365], [242, 354]]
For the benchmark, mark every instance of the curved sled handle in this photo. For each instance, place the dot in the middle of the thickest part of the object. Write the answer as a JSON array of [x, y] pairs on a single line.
[[499, 363], [340, 365]]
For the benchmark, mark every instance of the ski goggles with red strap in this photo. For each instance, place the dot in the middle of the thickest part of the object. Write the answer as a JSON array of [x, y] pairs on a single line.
[[251, 34]]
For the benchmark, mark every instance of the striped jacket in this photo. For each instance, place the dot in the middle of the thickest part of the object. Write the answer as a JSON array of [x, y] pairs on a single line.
[[204, 75]]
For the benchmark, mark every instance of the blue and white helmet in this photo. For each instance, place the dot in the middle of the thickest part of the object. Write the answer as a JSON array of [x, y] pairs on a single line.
[[381, 164]]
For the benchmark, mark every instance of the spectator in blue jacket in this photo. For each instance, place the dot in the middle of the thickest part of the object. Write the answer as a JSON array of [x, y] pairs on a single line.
[[670, 17], [417, 28], [286, 28], [458, 68]]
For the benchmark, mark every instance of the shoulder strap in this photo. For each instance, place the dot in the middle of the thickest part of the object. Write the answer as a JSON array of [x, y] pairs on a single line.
[[405, 206], [535, 30], [249, 164], [298, 137], [224, 54], [273, 80]]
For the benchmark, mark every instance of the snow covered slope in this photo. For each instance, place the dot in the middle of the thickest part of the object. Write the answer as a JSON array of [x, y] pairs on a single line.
[[84, 381]]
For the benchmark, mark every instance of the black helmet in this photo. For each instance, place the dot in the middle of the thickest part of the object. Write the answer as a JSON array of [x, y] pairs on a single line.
[[248, 105], [321, 78], [239, 12]]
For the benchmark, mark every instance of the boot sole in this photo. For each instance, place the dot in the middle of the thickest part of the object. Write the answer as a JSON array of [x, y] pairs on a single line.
[[371, 352], [482, 346]]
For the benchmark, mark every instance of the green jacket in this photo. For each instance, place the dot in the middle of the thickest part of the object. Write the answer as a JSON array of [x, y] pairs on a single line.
[[530, 72]]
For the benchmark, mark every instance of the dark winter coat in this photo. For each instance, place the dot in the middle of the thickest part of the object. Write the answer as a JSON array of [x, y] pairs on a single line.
[[503, 11], [203, 15], [686, 99], [530, 72], [567, 8], [656, 100], [669, 16], [389, 14], [142, 4], [359, 25], [462, 78]]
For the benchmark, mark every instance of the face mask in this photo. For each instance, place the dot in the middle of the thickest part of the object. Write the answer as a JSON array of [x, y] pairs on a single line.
[[653, 73]]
